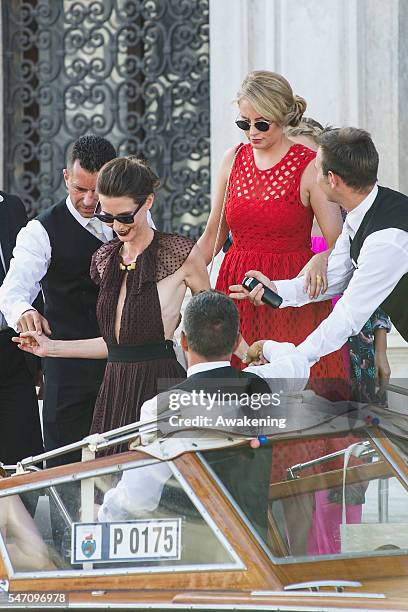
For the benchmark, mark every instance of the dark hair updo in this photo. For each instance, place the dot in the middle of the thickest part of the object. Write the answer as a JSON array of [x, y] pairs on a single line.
[[129, 177]]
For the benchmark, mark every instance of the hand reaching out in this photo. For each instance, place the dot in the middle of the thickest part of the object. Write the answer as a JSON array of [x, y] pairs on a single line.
[[254, 354], [315, 273], [31, 320], [382, 368], [238, 292], [34, 342]]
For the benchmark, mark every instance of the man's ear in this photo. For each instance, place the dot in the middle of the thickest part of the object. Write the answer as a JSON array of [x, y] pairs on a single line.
[[333, 179], [66, 175], [183, 342]]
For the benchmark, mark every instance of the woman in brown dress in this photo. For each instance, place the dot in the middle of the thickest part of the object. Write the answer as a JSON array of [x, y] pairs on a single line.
[[143, 275]]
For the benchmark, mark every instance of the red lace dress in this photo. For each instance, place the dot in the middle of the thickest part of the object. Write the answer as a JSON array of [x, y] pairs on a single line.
[[126, 385], [271, 231]]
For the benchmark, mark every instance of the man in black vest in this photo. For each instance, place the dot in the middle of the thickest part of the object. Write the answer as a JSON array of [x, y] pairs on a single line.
[[211, 325], [369, 262], [54, 253], [20, 432]]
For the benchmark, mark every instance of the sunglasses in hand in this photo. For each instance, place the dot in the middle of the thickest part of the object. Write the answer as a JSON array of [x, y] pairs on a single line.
[[125, 218]]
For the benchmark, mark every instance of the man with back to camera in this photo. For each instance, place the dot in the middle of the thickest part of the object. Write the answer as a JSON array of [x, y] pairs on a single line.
[[369, 262], [211, 334], [53, 253]]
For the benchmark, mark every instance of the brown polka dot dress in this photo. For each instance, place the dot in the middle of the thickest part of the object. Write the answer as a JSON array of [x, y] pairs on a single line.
[[127, 385]]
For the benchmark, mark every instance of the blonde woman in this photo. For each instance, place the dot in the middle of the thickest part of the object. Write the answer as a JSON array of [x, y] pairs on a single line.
[[272, 199]]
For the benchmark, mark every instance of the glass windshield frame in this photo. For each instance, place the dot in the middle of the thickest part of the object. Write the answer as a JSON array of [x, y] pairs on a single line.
[[236, 563], [384, 446]]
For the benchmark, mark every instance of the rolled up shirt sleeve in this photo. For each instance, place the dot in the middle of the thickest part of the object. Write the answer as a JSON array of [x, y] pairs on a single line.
[[287, 370], [339, 271], [138, 492], [31, 258], [373, 281]]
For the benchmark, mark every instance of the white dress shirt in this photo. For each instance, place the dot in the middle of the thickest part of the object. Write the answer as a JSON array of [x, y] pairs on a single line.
[[287, 371], [30, 262], [285, 365], [382, 262], [139, 490]]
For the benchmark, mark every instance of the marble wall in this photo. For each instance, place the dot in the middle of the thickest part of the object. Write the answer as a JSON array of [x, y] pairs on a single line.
[[348, 58]]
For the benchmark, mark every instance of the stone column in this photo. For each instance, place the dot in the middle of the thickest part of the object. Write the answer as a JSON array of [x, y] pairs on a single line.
[[228, 66], [402, 65], [378, 71]]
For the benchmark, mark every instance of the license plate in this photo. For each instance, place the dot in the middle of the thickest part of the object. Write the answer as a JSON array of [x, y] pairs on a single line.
[[139, 540]]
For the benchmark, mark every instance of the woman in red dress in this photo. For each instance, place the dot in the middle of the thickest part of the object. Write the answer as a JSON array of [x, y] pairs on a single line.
[[272, 198]]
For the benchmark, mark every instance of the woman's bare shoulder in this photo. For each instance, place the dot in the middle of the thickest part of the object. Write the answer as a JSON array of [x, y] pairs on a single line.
[[228, 158]]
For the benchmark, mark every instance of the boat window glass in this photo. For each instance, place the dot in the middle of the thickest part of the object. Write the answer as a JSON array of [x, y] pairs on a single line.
[[291, 495], [145, 518]]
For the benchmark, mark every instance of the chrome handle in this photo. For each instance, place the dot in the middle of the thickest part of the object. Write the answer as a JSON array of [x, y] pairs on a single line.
[[315, 585]]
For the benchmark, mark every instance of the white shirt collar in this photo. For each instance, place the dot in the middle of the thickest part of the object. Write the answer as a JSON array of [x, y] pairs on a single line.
[[355, 216], [207, 365], [85, 220]]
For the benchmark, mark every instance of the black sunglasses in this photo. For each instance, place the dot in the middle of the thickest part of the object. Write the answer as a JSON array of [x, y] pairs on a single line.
[[244, 124], [126, 219]]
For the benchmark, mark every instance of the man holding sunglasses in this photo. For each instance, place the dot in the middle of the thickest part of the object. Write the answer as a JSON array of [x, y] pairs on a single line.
[[53, 254]]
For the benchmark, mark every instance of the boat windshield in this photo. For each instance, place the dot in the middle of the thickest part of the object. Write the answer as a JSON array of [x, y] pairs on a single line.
[[141, 518], [337, 496]]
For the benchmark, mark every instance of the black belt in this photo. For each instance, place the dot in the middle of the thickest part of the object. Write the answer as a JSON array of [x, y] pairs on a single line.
[[131, 353]]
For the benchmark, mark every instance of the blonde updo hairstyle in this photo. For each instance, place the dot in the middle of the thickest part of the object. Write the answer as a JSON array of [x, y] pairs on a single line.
[[272, 97]]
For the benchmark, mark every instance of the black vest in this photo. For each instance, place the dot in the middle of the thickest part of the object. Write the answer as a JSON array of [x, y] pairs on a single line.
[[70, 295], [244, 471], [389, 210]]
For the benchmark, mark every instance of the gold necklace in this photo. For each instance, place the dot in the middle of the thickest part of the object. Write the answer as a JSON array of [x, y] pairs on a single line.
[[126, 267]]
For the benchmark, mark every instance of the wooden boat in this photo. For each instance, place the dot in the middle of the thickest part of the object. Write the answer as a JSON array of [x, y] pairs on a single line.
[[161, 527]]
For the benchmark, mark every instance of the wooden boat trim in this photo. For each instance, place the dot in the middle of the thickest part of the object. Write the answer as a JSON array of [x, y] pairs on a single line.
[[327, 480], [299, 569], [289, 601], [263, 573], [359, 566], [55, 473], [257, 574], [351, 568], [386, 448], [240, 600]]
